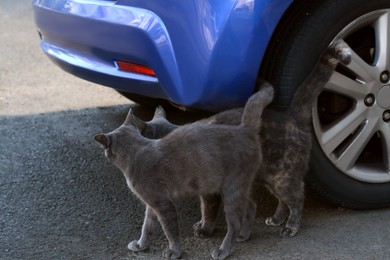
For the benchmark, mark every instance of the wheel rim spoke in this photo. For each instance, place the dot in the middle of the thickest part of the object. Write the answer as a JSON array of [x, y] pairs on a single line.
[[349, 156], [365, 72], [382, 34], [341, 84], [339, 132], [385, 134]]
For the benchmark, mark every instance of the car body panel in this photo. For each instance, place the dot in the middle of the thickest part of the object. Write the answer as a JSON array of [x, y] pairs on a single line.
[[206, 54]]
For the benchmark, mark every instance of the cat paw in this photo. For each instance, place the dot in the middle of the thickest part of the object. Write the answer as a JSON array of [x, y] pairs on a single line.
[[344, 56], [169, 253], [201, 232], [219, 254], [289, 232], [135, 246], [271, 222], [343, 51]]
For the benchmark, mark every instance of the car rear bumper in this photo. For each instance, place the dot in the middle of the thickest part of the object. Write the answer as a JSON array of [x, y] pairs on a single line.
[[205, 55], [85, 38]]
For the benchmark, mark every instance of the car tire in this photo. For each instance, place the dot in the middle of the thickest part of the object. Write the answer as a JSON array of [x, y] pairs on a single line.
[[308, 27]]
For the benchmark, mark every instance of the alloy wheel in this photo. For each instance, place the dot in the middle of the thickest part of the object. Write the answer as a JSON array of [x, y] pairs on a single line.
[[351, 117]]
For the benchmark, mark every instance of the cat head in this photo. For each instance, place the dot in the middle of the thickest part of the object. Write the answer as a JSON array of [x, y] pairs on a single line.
[[134, 129], [114, 142]]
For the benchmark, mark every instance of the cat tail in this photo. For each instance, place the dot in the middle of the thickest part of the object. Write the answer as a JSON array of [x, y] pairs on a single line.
[[251, 117], [304, 97]]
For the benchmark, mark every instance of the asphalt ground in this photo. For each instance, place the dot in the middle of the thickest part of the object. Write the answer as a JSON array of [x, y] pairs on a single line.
[[61, 199]]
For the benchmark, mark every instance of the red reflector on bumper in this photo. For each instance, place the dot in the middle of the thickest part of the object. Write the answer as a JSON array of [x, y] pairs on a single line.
[[135, 68]]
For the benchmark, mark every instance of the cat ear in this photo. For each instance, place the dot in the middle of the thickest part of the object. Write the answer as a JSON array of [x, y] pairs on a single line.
[[131, 119], [129, 116], [103, 140], [138, 123], [159, 113]]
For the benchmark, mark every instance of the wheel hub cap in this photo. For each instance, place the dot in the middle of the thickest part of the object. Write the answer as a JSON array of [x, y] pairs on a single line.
[[383, 97]]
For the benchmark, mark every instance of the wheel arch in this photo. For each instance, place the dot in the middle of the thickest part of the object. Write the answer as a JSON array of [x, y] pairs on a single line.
[[290, 24]]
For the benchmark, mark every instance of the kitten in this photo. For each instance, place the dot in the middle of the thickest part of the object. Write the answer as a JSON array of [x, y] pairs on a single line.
[[286, 140], [195, 159]]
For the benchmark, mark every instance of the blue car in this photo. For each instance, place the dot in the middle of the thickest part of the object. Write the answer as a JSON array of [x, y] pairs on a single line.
[[209, 54]]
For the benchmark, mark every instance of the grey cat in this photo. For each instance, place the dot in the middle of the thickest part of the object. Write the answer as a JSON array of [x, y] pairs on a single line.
[[195, 159], [286, 141]]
